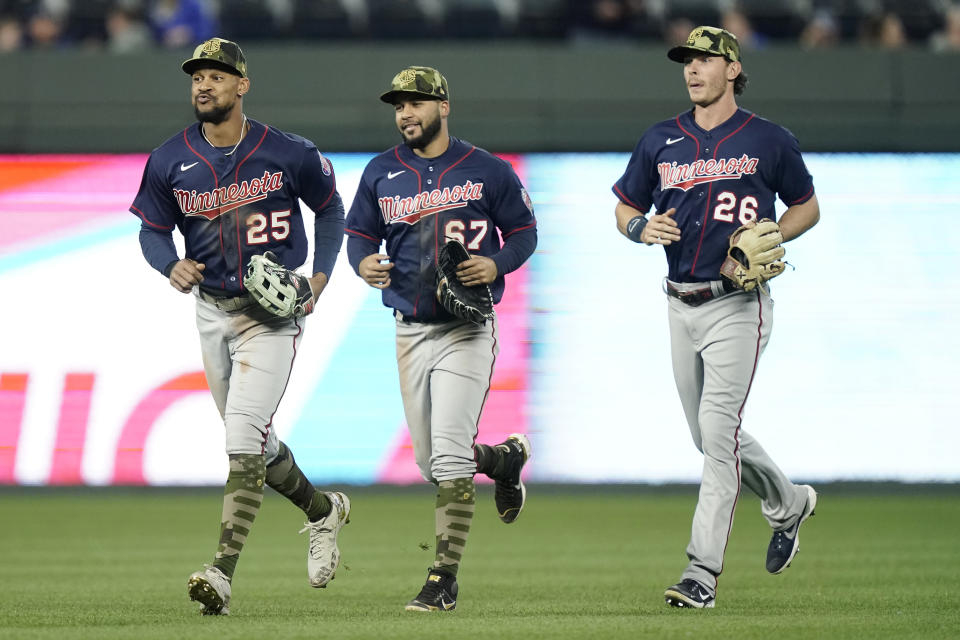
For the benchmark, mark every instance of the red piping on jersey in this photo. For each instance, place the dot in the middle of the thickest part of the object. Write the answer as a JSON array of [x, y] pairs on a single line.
[[362, 235], [216, 182], [287, 382], [436, 230], [627, 200], [236, 178], [396, 152], [803, 198], [529, 226], [493, 352], [736, 436], [706, 211], [440, 178], [216, 185], [143, 217]]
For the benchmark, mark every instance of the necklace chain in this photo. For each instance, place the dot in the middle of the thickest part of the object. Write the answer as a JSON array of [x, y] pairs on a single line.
[[243, 127]]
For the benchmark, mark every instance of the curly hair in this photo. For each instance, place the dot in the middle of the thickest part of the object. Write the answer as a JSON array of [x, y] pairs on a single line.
[[740, 83]]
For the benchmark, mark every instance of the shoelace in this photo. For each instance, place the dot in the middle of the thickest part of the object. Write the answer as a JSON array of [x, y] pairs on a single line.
[[780, 539], [430, 592], [316, 527]]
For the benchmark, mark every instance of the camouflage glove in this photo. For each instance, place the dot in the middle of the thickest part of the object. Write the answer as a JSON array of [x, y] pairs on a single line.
[[282, 292], [754, 255], [470, 303]]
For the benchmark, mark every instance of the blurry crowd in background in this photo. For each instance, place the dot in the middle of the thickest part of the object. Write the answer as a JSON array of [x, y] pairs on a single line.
[[123, 26]]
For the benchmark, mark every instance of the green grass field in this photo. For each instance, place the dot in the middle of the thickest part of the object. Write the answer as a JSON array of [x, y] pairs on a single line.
[[580, 563]]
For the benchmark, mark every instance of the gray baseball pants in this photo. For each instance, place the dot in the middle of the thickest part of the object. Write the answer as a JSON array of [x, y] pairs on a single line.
[[715, 349], [445, 373], [248, 355]]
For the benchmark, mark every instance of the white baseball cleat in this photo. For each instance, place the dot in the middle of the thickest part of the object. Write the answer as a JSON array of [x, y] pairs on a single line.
[[211, 588], [323, 556]]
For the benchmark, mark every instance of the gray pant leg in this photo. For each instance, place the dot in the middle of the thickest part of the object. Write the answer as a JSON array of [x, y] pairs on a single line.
[[715, 350], [445, 372], [248, 357]]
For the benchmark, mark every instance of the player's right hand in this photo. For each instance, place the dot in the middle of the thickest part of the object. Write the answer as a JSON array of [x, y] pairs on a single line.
[[375, 270], [185, 274], [661, 229]]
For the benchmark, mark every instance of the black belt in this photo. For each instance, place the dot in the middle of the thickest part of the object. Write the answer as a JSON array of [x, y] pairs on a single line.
[[697, 297], [227, 304], [408, 320]]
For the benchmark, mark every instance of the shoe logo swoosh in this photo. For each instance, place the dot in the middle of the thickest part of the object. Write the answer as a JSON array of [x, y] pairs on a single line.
[[184, 167], [393, 174], [675, 140]]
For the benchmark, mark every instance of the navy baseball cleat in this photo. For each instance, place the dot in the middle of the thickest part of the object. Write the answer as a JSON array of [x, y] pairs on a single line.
[[785, 544], [509, 493], [689, 594], [439, 593]]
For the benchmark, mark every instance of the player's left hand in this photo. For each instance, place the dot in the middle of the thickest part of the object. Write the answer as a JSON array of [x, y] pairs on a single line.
[[477, 270], [661, 229]]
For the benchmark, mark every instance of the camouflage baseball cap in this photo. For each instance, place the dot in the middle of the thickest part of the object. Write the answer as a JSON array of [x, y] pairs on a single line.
[[710, 40], [425, 81], [219, 54]]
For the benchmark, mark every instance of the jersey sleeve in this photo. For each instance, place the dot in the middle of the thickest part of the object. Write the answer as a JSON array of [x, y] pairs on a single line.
[[365, 227], [513, 215], [318, 188], [635, 187], [158, 212], [795, 184], [154, 203]]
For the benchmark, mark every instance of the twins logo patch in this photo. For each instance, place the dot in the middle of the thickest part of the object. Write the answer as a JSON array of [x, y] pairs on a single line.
[[526, 199], [325, 165]]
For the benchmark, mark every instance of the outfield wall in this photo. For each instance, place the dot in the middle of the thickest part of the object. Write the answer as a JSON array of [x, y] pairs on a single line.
[[505, 96], [100, 379]]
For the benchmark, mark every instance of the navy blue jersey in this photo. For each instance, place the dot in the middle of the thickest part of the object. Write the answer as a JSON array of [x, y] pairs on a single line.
[[231, 207], [717, 180], [417, 203]]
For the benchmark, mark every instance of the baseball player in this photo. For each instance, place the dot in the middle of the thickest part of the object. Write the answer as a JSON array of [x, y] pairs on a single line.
[[232, 186], [431, 188], [709, 172]]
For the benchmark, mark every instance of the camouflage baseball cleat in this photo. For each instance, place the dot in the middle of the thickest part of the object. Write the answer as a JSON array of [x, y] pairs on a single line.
[[211, 588], [323, 556], [509, 492], [439, 593]]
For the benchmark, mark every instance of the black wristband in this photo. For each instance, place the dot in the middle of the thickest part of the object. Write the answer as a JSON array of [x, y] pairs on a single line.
[[635, 227]]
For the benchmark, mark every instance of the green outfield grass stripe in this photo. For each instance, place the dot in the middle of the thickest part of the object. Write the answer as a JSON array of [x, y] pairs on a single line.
[[586, 563]]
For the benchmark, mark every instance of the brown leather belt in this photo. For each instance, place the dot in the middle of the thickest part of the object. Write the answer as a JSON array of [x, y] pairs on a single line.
[[696, 297], [227, 304]]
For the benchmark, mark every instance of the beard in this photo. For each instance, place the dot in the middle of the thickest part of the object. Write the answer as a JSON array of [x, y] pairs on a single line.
[[216, 115], [430, 131]]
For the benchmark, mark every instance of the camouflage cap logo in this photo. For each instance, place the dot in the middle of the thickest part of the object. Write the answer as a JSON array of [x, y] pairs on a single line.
[[425, 81], [217, 53], [709, 40]]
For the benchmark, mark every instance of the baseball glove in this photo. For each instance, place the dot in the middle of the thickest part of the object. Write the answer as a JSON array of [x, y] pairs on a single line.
[[754, 255], [282, 292], [470, 303]]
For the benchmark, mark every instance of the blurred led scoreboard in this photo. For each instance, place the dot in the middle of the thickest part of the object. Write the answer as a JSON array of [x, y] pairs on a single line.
[[101, 381]]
